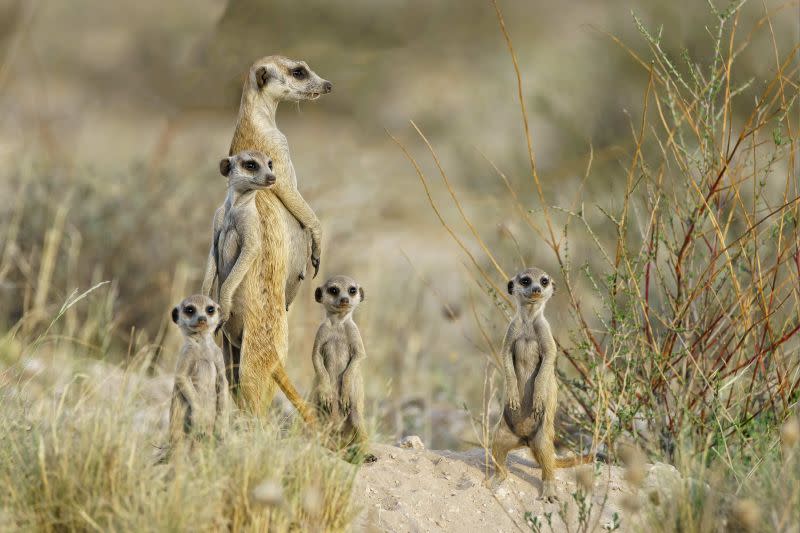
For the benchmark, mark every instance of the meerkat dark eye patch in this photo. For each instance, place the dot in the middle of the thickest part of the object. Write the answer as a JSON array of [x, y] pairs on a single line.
[[189, 310], [333, 291], [525, 281], [251, 165], [269, 164], [225, 167], [544, 281], [352, 291], [299, 73], [210, 310]]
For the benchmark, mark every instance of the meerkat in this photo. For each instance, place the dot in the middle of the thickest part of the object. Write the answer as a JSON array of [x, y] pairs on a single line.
[[200, 396], [285, 248], [235, 245], [338, 351], [529, 360]]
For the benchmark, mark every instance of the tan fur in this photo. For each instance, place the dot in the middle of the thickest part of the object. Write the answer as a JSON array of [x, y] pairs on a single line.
[[337, 355], [199, 406], [272, 282], [529, 358]]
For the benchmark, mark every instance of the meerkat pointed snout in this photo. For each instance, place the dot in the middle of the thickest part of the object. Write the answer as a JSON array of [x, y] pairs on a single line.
[[248, 170]]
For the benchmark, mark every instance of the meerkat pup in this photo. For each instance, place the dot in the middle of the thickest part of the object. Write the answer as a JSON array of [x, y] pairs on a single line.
[[529, 360], [200, 396], [337, 355]]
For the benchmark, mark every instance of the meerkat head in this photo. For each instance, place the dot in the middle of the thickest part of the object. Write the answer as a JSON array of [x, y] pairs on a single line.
[[340, 295], [196, 315], [248, 170], [531, 287], [282, 79]]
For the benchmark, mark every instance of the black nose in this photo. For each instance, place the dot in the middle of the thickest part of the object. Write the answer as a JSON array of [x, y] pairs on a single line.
[[345, 300], [327, 87], [536, 290], [202, 319]]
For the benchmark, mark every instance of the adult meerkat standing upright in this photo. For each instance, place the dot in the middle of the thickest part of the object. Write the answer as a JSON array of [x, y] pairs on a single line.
[[200, 397], [529, 360], [337, 355], [276, 274]]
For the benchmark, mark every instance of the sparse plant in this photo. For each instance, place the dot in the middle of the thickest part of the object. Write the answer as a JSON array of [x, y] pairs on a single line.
[[691, 349]]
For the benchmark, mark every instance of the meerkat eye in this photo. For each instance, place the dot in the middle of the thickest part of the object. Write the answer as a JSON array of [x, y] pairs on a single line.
[[269, 164], [210, 310], [189, 310], [544, 281], [525, 281], [333, 291], [251, 165], [299, 73], [352, 291]]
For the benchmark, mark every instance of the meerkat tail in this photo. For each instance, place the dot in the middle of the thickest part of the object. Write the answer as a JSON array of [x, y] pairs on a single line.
[[567, 462], [282, 379]]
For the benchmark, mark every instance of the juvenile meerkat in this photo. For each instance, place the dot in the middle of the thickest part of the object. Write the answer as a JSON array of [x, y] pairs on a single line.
[[337, 355], [529, 359], [289, 230], [235, 246], [200, 396]]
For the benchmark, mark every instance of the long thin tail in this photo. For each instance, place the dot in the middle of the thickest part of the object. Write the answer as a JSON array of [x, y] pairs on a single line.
[[567, 462], [282, 379]]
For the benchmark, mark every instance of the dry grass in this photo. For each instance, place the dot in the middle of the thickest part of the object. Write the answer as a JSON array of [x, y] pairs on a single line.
[[82, 458]]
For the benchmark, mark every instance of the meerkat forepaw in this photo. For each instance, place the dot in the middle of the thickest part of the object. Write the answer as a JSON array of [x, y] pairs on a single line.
[[513, 403], [326, 399], [344, 403]]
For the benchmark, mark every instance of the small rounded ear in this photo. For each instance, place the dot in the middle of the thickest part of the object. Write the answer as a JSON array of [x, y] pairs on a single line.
[[511, 286], [175, 314], [553, 284], [318, 294], [225, 167], [361, 292], [262, 77]]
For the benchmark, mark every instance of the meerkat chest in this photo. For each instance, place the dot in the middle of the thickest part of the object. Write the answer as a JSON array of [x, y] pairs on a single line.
[[336, 352], [526, 354]]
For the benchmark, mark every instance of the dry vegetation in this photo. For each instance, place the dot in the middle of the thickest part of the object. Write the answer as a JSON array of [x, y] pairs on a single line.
[[674, 238]]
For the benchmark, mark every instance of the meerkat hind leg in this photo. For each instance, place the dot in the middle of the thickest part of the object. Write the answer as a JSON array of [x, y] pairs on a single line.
[[360, 440], [503, 442], [544, 453]]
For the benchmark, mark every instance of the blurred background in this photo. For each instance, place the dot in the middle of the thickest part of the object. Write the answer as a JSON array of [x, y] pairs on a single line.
[[113, 117]]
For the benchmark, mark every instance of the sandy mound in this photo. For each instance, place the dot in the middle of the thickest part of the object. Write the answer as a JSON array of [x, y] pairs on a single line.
[[428, 490]]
